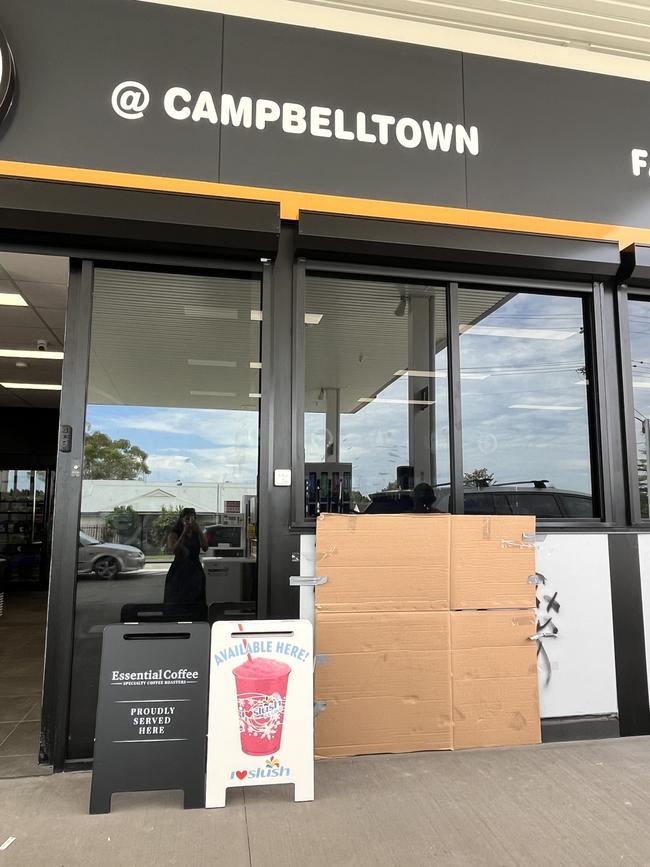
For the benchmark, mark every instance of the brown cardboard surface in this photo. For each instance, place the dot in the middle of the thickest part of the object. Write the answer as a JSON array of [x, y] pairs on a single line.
[[494, 678], [353, 632], [382, 540], [385, 681], [383, 588], [489, 563], [356, 727], [383, 562]]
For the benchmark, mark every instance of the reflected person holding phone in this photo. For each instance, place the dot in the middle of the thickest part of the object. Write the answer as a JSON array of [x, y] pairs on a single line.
[[185, 582]]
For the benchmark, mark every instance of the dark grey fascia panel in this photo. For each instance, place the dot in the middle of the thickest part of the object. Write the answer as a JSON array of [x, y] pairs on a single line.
[[136, 217], [466, 248], [636, 261]]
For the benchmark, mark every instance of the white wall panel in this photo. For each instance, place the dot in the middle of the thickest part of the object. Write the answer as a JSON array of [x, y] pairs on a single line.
[[583, 675]]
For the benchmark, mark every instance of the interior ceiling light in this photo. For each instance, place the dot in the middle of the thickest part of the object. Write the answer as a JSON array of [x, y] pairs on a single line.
[[199, 312], [439, 374], [313, 318], [546, 408], [395, 400], [12, 299], [526, 333], [30, 353], [34, 386], [21, 364], [255, 365], [213, 393], [206, 362], [256, 315], [254, 394], [400, 310]]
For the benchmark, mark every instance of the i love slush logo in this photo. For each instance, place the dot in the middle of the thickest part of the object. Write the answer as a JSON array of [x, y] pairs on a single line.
[[272, 768]]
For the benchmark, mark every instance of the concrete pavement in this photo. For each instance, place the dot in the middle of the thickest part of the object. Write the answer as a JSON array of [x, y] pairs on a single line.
[[572, 805]]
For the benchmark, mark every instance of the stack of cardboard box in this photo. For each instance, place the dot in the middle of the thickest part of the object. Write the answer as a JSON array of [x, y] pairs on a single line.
[[423, 633]]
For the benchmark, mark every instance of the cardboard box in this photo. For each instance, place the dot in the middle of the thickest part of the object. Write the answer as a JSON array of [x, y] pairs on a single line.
[[383, 562], [491, 562], [401, 672], [385, 683], [494, 678]]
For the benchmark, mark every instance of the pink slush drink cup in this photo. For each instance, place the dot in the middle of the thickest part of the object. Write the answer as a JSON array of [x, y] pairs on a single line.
[[261, 696]]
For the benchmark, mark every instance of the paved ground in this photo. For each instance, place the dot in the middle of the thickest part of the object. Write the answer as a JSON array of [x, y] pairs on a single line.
[[572, 804]]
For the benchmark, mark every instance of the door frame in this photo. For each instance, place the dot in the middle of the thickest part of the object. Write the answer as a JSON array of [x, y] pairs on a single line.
[[57, 679]]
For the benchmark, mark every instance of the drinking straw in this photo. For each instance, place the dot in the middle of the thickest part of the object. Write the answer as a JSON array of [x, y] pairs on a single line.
[[241, 629]]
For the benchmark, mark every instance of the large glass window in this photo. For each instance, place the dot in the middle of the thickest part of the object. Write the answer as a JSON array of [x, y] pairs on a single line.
[[525, 385], [376, 423], [376, 427], [172, 422], [639, 318]]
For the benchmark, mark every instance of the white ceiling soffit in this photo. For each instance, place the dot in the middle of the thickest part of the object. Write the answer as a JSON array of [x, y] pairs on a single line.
[[598, 25], [607, 36], [175, 340], [42, 281], [361, 343]]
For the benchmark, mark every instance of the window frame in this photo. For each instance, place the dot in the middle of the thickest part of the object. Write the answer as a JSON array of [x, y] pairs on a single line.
[[591, 294], [625, 295]]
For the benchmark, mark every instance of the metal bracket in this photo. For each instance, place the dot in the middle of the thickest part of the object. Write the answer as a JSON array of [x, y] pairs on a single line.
[[307, 580], [537, 578]]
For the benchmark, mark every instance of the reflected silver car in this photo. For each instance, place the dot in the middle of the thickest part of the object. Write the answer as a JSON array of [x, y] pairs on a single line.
[[106, 559]]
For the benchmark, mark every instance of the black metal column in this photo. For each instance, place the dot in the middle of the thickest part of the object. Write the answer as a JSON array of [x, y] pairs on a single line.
[[65, 537], [279, 540], [629, 635]]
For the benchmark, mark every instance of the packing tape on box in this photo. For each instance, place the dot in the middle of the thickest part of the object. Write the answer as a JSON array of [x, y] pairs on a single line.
[[524, 543], [319, 707], [537, 578], [321, 659]]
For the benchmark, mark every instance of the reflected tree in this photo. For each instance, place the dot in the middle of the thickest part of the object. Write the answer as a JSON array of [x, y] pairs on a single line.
[[106, 458]]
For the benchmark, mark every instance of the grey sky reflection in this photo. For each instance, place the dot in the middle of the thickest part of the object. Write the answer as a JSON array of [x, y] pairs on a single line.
[[524, 402]]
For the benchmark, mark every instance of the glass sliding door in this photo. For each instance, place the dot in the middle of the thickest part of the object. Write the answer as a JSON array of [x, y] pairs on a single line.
[[168, 523]]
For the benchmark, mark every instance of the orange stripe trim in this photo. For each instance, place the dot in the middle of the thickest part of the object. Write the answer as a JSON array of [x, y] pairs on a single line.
[[291, 203]]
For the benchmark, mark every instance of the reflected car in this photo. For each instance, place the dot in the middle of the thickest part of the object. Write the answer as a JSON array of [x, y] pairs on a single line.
[[546, 503], [107, 560]]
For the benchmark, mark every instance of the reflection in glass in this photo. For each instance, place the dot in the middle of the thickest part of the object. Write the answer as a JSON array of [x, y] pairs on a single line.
[[172, 422], [24, 518], [524, 384], [375, 395], [639, 317]]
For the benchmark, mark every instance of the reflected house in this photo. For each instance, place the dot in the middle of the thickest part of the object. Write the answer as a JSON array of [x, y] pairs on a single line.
[[149, 506]]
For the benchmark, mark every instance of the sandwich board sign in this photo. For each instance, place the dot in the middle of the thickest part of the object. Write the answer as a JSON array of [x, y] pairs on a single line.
[[151, 711], [261, 712]]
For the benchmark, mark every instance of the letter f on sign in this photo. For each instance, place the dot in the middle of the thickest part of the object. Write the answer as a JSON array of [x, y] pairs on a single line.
[[639, 161]]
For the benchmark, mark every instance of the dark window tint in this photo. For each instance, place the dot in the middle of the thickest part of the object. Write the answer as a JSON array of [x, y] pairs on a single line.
[[501, 504], [542, 504], [577, 507], [479, 504]]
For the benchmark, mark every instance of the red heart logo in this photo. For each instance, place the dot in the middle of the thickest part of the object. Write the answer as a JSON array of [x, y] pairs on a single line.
[[241, 774]]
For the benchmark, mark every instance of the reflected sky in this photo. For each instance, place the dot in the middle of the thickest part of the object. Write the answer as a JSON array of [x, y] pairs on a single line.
[[524, 401], [193, 445]]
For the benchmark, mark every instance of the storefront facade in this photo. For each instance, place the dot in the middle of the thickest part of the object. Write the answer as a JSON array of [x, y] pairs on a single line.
[[416, 266]]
